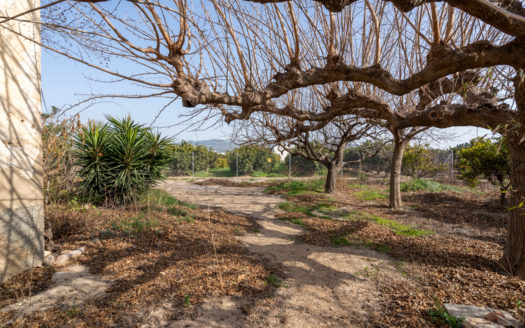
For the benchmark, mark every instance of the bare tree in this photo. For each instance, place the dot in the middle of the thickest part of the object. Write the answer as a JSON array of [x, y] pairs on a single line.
[[322, 143], [240, 57]]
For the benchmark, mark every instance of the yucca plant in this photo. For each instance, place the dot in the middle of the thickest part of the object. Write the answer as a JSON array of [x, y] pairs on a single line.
[[119, 160]]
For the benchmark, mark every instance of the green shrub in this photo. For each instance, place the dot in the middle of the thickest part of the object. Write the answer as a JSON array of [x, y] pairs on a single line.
[[427, 185], [252, 158], [119, 161], [221, 162], [186, 156], [299, 187]]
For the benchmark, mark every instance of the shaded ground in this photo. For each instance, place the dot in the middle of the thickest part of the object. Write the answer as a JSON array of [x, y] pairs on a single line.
[[321, 286], [339, 261], [470, 214], [162, 255], [459, 262]]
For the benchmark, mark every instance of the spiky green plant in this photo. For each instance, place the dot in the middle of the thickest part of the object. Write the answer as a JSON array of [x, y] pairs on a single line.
[[119, 160]]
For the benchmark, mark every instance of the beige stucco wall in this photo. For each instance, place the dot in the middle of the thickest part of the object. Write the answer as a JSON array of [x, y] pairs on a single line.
[[21, 193]]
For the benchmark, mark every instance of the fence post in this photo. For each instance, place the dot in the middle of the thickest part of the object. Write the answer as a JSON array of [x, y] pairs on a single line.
[[290, 166], [452, 165], [192, 165], [173, 163], [237, 164]]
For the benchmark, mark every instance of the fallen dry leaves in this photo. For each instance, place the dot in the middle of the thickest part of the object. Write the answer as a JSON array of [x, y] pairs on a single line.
[[178, 259], [446, 267]]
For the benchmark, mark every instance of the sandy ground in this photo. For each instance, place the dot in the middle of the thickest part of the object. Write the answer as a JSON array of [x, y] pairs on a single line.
[[72, 286], [319, 286]]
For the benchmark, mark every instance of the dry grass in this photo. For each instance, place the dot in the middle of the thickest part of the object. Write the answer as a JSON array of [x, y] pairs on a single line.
[[151, 257], [459, 266]]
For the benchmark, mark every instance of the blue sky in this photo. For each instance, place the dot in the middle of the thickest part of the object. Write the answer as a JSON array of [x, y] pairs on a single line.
[[65, 82]]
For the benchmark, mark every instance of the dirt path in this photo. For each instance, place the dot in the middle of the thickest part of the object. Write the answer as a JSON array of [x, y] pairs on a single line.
[[321, 287]]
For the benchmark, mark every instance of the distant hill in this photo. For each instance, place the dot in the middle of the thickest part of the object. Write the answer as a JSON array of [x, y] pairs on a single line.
[[220, 146]]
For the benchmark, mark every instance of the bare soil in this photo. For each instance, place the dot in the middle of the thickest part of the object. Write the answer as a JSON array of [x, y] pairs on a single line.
[[460, 262], [320, 286], [237, 261], [160, 269]]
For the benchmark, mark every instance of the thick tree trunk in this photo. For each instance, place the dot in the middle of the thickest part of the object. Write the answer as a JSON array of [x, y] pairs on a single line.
[[515, 245], [395, 173], [331, 179], [514, 255]]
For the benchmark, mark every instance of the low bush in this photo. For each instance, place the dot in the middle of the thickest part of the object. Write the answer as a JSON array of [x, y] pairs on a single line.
[[119, 161], [427, 185], [298, 187]]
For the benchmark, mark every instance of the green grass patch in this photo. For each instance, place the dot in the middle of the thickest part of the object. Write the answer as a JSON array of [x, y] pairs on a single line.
[[216, 173], [368, 193], [341, 241], [348, 241], [260, 174], [135, 225], [156, 197], [396, 227], [291, 207], [274, 281], [439, 315], [175, 211], [298, 221], [325, 208], [430, 186], [299, 187]]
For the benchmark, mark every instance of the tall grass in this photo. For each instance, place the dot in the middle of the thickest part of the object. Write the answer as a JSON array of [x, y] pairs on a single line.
[[428, 185]]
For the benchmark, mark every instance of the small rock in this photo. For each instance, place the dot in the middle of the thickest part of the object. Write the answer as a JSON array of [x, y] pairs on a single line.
[[64, 258], [47, 253], [480, 323], [49, 260], [470, 311]]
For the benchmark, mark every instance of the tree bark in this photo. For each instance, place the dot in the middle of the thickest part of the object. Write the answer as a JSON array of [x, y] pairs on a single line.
[[395, 172], [515, 245], [331, 178], [514, 255]]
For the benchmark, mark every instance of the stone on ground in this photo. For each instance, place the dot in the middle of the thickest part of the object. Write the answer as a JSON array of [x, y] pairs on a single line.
[[474, 312]]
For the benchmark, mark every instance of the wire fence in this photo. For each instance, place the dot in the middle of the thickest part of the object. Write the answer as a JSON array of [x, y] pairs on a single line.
[[439, 168]]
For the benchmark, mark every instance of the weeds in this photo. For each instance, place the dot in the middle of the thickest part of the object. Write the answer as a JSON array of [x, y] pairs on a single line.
[[367, 272], [291, 207], [322, 207], [400, 266], [187, 300], [439, 314], [371, 195], [346, 241], [298, 187], [273, 281], [175, 211], [428, 185], [396, 227], [135, 225], [156, 197], [298, 221], [341, 241], [368, 193]]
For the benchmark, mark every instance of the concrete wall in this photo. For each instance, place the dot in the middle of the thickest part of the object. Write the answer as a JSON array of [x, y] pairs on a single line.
[[21, 193]]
